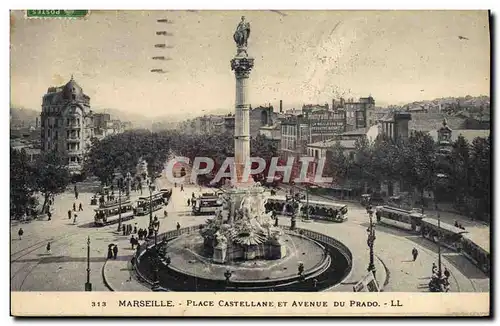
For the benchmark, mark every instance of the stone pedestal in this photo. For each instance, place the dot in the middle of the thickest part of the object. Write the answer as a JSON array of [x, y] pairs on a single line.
[[219, 256]]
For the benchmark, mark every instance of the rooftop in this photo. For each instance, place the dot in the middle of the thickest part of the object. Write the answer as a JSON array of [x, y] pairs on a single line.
[[468, 134]]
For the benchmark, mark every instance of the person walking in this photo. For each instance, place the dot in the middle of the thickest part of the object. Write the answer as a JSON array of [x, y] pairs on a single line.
[[182, 187], [132, 241], [74, 207], [49, 215], [414, 253], [80, 207], [20, 233], [110, 251], [189, 202], [178, 226], [446, 273], [135, 229], [48, 248], [115, 252], [69, 214]]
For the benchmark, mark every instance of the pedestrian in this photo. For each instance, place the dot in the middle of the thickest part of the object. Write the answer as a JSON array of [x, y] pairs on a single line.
[[135, 229], [192, 195], [48, 248], [124, 230], [139, 234], [74, 207], [182, 187], [69, 214], [74, 219], [80, 207], [132, 241], [434, 268], [49, 215], [189, 202], [165, 214], [76, 195], [178, 226], [414, 253], [110, 251], [20, 233], [115, 251], [446, 273]]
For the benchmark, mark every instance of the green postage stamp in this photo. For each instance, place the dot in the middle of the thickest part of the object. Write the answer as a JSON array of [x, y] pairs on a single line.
[[56, 13]]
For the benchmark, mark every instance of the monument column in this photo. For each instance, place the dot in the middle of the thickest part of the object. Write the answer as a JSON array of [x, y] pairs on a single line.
[[242, 66]]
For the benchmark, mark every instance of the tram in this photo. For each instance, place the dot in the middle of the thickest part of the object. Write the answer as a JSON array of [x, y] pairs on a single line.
[[155, 202], [404, 219], [206, 204], [318, 210], [477, 250], [109, 213], [166, 193], [449, 235]]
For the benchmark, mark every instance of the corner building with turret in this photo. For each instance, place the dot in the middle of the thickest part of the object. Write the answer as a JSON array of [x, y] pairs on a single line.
[[67, 123]]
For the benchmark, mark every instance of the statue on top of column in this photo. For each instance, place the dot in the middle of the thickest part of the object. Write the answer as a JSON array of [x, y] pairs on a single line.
[[242, 33]]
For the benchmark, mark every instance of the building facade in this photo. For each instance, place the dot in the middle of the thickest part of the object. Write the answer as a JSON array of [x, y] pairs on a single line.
[[67, 123]]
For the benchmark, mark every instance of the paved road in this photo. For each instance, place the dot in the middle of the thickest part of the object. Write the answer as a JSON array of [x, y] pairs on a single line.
[[64, 269]]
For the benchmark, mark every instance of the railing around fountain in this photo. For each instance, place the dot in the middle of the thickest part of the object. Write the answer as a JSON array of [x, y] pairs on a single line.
[[170, 235]]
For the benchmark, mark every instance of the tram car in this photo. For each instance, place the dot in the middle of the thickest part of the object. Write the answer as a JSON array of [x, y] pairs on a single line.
[[409, 220], [318, 210], [477, 250], [147, 203], [449, 236], [110, 213], [166, 193], [207, 204]]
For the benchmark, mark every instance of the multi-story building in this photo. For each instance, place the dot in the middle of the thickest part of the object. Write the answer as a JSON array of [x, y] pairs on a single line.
[[262, 116], [67, 123], [325, 124], [357, 112], [395, 125]]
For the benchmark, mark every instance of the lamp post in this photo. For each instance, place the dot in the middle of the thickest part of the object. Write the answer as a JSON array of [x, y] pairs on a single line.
[[307, 202], [120, 183], [439, 177], [151, 189], [88, 285], [156, 227], [371, 240]]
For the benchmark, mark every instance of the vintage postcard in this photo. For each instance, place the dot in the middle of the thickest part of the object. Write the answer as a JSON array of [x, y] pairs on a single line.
[[250, 163]]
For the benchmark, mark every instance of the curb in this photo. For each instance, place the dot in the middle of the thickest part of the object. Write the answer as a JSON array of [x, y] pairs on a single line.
[[103, 272]]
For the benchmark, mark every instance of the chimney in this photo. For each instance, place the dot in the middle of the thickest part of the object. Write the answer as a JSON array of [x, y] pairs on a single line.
[[281, 106]]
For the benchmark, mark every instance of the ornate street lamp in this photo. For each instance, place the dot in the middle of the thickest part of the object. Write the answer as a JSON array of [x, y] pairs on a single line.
[[440, 178], [371, 240], [156, 228], [88, 285]]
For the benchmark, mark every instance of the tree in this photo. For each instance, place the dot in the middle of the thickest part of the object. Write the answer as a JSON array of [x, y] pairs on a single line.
[[420, 161], [337, 165], [52, 175], [22, 183], [480, 184], [459, 169]]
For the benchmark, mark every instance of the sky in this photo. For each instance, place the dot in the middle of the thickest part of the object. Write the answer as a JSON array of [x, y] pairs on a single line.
[[301, 57]]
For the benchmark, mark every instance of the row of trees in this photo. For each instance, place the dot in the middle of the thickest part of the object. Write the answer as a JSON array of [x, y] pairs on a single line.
[[121, 153], [414, 162], [48, 176]]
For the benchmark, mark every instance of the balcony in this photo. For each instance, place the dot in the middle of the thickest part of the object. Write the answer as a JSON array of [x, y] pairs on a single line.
[[73, 139]]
